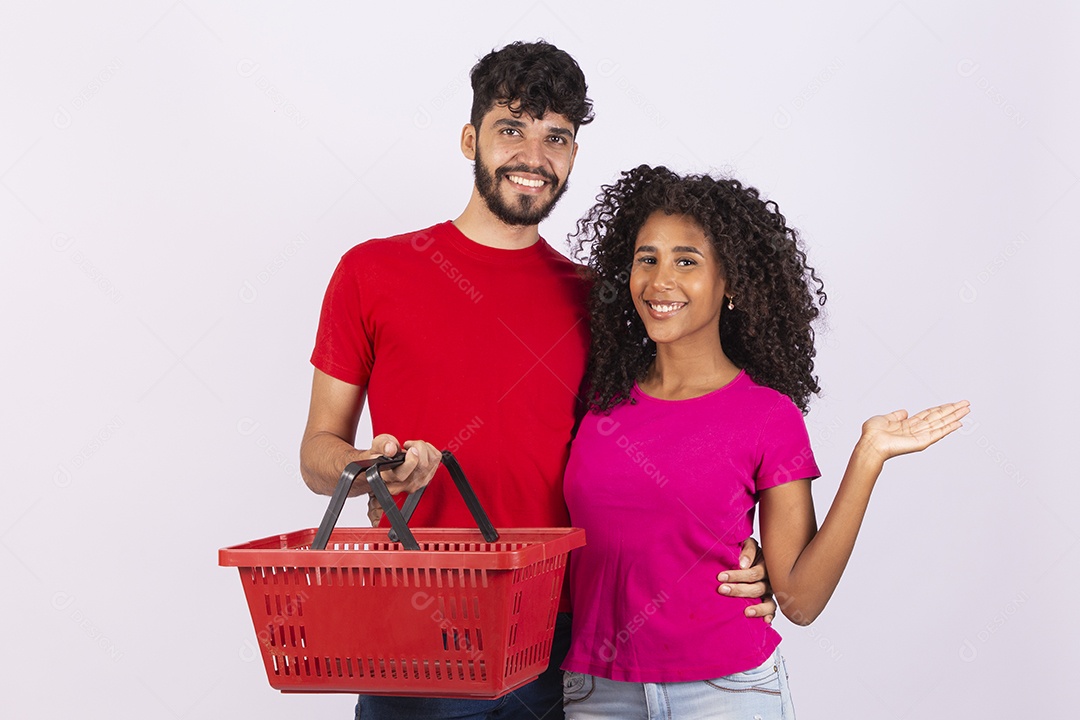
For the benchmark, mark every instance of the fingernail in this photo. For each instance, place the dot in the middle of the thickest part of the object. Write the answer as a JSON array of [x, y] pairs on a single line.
[[414, 452], [750, 613], [722, 577], [744, 562], [725, 589], [388, 448]]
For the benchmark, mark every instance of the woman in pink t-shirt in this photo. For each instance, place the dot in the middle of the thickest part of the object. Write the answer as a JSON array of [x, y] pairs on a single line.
[[700, 370]]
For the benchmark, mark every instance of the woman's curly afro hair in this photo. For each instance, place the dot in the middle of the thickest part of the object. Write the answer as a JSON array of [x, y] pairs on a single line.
[[776, 294]]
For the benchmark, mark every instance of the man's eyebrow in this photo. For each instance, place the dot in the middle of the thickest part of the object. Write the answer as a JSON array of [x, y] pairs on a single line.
[[557, 130], [510, 122]]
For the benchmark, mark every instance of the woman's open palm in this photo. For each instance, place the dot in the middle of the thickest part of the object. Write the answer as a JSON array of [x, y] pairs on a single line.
[[897, 433]]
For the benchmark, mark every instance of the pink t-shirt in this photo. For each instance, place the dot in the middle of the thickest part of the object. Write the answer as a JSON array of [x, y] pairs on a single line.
[[666, 491]]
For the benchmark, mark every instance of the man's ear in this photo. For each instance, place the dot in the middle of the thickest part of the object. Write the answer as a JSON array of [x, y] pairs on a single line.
[[468, 142]]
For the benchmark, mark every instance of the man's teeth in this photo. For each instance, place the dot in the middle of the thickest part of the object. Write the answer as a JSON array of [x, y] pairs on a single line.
[[665, 307], [526, 182]]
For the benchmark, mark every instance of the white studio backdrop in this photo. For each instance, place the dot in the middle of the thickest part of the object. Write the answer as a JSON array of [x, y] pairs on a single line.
[[178, 180]]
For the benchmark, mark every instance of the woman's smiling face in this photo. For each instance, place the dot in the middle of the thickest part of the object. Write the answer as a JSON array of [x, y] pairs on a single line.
[[677, 282]]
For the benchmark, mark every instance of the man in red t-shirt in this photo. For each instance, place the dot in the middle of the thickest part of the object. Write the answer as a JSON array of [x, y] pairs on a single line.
[[472, 335]]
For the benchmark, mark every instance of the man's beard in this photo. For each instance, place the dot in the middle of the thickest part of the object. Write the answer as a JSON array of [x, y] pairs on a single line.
[[529, 209]]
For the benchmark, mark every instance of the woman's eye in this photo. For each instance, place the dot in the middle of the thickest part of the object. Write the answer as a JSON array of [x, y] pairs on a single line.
[[686, 261]]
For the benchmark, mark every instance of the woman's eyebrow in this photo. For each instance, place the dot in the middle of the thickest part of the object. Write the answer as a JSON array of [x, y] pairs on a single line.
[[677, 248]]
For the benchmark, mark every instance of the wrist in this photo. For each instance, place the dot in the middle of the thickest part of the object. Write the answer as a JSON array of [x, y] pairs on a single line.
[[868, 456]]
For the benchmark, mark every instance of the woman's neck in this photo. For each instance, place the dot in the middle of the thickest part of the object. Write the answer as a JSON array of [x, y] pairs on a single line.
[[682, 373]]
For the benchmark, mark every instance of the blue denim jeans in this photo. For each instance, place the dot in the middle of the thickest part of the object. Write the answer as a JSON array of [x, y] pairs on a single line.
[[542, 699], [761, 693]]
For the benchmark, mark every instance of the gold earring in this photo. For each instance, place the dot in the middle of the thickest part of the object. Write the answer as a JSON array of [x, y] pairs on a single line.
[[731, 302]]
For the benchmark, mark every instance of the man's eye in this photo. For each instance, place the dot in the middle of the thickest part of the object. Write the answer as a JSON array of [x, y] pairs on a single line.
[[558, 139], [686, 261]]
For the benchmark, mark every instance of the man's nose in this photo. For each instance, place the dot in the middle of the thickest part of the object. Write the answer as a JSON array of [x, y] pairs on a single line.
[[531, 152]]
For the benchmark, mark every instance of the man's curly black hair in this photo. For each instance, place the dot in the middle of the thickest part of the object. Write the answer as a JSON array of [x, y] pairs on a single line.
[[531, 78], [776, 294]]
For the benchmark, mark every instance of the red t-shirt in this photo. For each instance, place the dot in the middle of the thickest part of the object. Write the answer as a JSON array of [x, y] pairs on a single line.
[[474, 349]]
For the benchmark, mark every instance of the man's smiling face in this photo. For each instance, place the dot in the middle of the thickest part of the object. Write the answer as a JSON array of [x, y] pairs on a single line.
[[522, 163]]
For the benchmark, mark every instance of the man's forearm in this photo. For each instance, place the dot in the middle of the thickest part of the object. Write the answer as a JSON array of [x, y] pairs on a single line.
[[323, 456]]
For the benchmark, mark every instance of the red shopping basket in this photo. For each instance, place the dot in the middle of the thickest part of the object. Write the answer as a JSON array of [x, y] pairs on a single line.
[[466, 613]]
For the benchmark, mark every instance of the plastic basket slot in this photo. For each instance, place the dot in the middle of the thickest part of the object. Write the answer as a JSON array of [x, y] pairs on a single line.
[[511, 638], [307, 665], [292, 636], [318, 668], [268, 610], [277, 668], [517, 603], [479, 639], [281, 635], [442, 613]]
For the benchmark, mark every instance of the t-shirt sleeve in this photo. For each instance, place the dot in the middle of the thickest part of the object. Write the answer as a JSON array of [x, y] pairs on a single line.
[[343, 344], [785, 448]]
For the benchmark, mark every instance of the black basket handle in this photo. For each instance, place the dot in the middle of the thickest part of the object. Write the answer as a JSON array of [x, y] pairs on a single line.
[[399, 518]]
